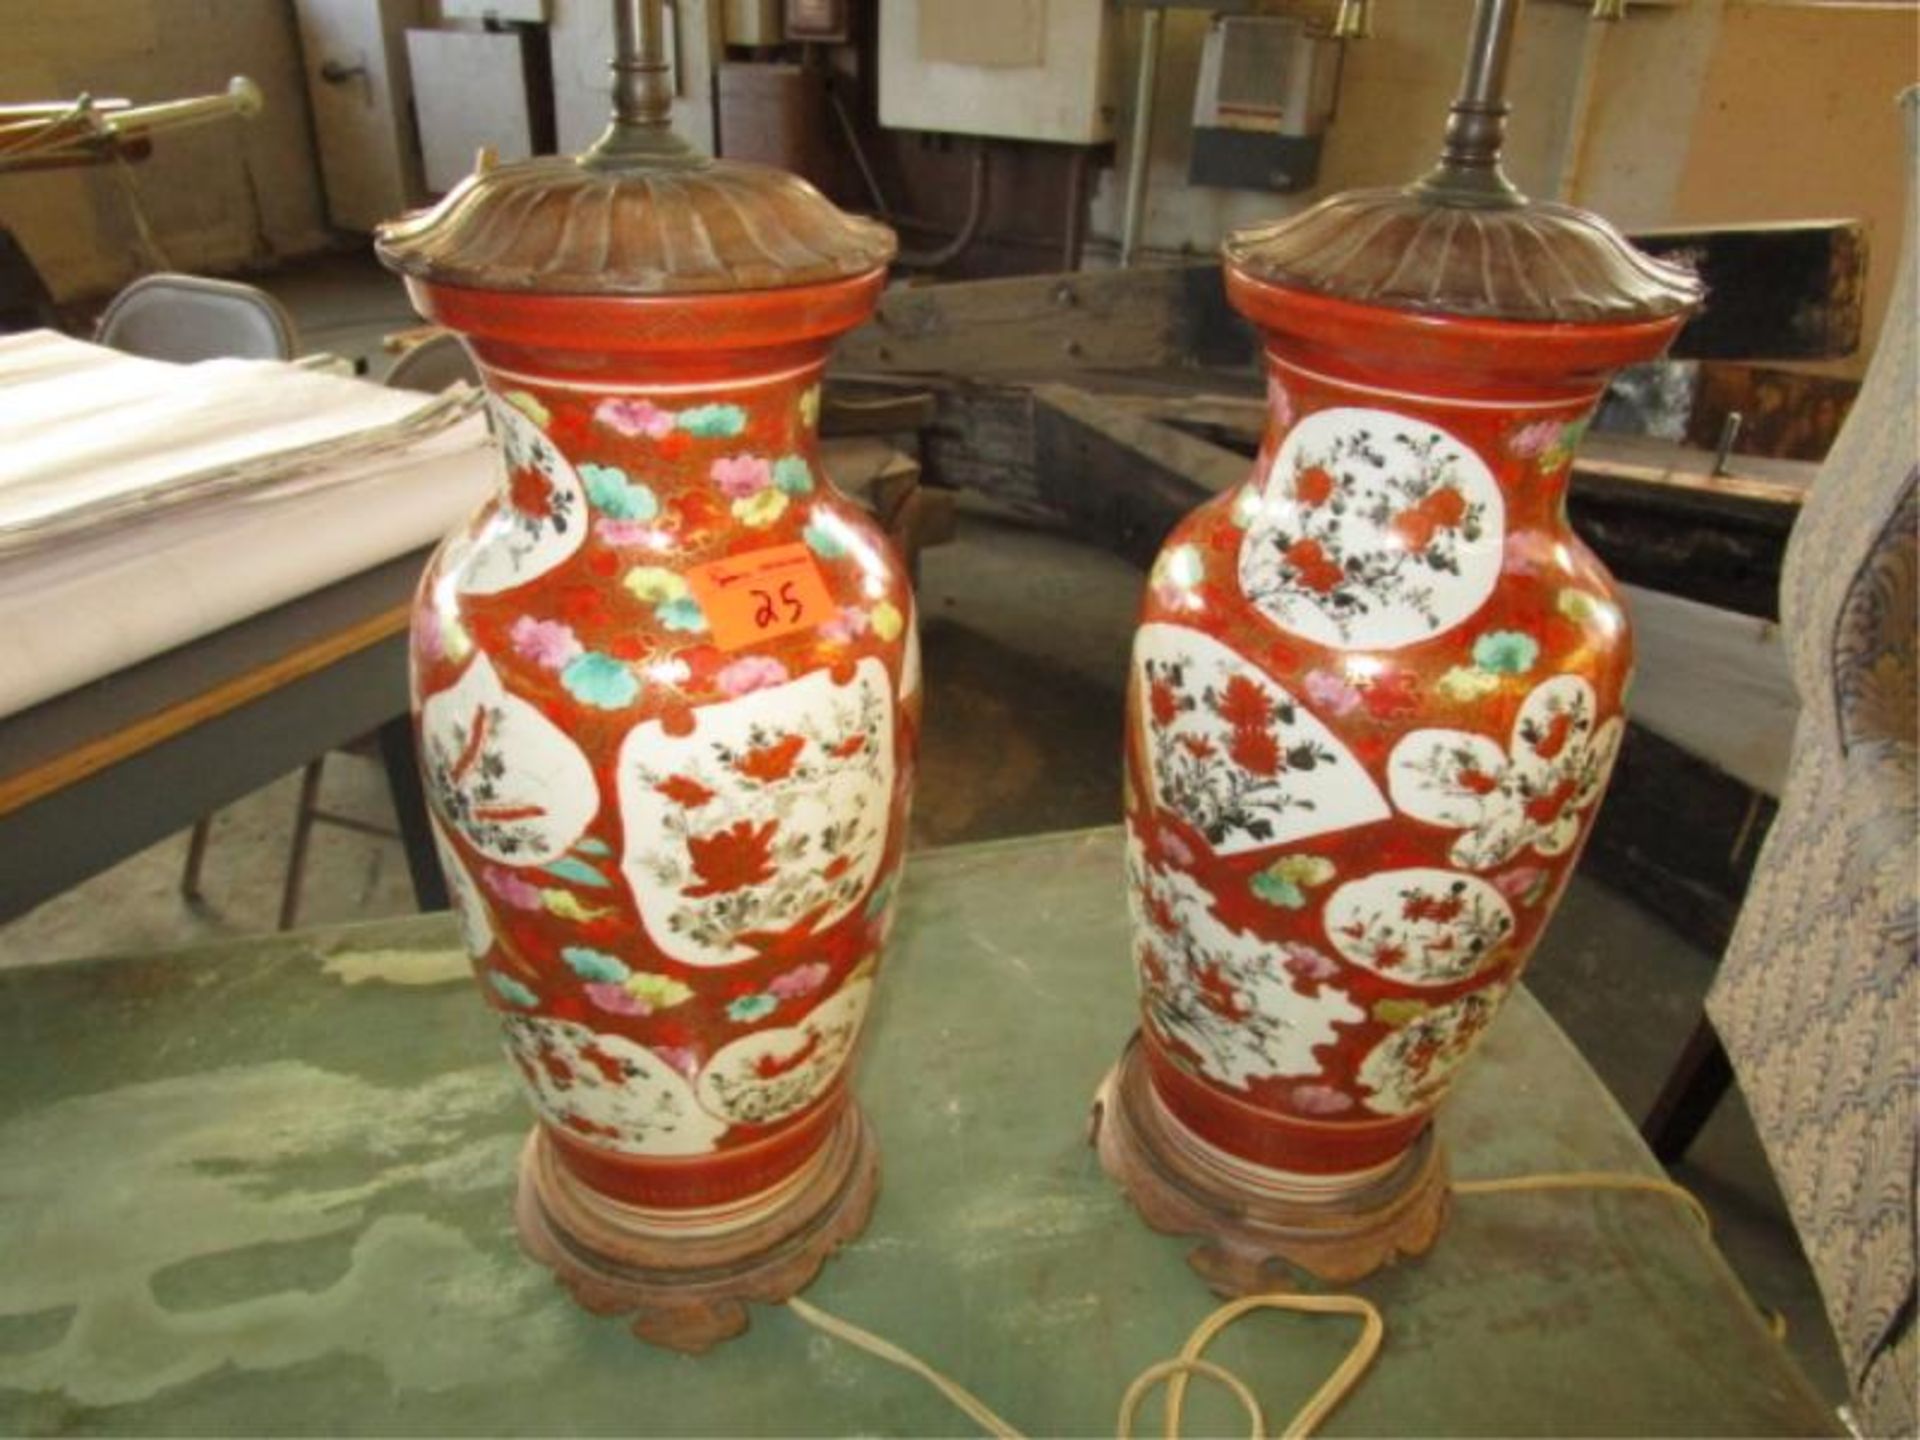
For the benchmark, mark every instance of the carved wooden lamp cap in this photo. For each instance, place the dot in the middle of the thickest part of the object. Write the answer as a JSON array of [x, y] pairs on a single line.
[[1463, 241], [640, 213]]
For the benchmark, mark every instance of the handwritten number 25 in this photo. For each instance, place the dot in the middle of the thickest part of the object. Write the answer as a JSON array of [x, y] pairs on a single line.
[[768, 606]]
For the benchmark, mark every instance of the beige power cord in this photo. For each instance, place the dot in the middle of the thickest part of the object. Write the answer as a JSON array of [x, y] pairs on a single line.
[[1175, 1372]]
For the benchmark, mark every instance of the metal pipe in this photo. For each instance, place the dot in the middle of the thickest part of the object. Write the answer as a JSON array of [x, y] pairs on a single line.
[[1469, 171], [969, 230], [640, 134], [1141, 146]]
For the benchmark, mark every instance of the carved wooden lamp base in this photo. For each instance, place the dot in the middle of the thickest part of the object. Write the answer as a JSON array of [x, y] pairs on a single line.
[[690, 1291], [1247, 1236]]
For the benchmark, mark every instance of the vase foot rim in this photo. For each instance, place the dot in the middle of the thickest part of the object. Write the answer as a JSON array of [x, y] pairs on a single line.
[[689, 1293], [1247, 1238]]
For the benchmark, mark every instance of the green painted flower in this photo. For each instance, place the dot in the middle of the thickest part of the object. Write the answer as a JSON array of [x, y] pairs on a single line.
[[599, 680], [683, 614], [1506, 652], [512, 991], [749, 1008], [790, 473], [1287, 880], [713, 422], [594, 964], [614, 495], [825, 540]]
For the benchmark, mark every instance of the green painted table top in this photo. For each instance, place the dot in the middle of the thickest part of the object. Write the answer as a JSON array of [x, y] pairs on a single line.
[[264, 1188]]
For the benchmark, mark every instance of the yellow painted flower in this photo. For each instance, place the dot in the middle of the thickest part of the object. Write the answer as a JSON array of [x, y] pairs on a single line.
[[810, 406], [662, 992], [567, 906], [528, 406], [1465, 683], [654, 585], [761, 509], [887, 621], [1580, 605], [1303, 869]]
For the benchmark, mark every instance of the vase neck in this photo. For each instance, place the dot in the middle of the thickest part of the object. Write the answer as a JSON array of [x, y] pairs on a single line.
[[674, 435]]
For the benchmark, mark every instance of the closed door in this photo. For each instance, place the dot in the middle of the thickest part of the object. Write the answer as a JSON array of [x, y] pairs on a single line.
[[357, 85]]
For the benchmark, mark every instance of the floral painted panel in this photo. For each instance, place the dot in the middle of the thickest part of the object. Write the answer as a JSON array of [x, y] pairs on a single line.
[[1531, 794], [538, 519], [1419, 926], [1230, 1000], [608, 1090], [1373, 531], [1410, 1068], [500, 773], [1235, 755], [766, 1076], [769, 815]]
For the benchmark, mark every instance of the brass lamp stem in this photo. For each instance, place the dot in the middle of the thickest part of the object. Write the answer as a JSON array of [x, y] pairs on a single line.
[[1469, 172], [640, 135]]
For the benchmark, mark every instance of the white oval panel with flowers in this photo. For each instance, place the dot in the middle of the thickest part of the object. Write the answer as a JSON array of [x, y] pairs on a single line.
[[1532, 794], [537, 519], [1236, 756], [607, 1090], [1409, 1070], [764, 1077], [1373, 531], [476, 921], [500, 773], [1228, 999], [1418, 926], [770, 814]]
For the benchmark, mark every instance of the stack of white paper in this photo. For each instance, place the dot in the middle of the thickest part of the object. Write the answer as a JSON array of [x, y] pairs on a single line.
[[144, 504]]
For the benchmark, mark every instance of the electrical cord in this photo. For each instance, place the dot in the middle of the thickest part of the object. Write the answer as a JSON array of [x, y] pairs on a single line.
[[1174, 1372]]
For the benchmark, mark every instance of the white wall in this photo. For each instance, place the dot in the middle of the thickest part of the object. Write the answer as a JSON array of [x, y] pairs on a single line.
[[219, 198]]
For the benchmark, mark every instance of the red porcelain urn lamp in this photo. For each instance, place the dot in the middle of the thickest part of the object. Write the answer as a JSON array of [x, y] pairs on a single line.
[[667, 692], [1375, 696]]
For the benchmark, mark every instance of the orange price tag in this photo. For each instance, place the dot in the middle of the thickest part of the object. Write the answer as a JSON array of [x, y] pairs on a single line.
[[764, 593]]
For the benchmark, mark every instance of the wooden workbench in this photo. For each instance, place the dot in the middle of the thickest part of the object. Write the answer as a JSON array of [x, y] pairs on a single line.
[[263, 1188]]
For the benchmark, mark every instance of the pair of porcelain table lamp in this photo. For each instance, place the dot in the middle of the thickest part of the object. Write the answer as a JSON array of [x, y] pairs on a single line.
[[668, 694]]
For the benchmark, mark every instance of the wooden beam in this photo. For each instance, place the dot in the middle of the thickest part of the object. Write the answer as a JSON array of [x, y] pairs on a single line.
[[1789, 291]]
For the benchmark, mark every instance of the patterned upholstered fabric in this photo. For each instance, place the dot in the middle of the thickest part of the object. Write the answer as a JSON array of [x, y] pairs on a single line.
[[1817, 1001]]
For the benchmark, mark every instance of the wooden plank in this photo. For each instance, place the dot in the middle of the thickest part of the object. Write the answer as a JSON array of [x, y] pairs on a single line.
[[1786, 291], [1087, 320], [1122, 478]]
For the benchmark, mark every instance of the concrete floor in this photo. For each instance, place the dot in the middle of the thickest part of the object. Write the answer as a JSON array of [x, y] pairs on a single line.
[[1026, 636]]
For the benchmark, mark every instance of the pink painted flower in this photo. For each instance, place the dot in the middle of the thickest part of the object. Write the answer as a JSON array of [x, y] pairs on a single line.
[[511, 888], [634, 417], [1320, 1100], [683, 1058], [427, 639], [741, 476], [1177, 849], [1279, 404], [1519, 882], [1306, 963], [1330, 691], [750, 673], [803, 980], [618, 1000], [631, 534], [846, 627], [1528, 553], [545, 642], [1531, 441]]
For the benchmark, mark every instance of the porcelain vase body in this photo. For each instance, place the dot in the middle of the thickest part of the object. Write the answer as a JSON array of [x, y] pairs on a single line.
[[1375, 697], [666, 686]]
